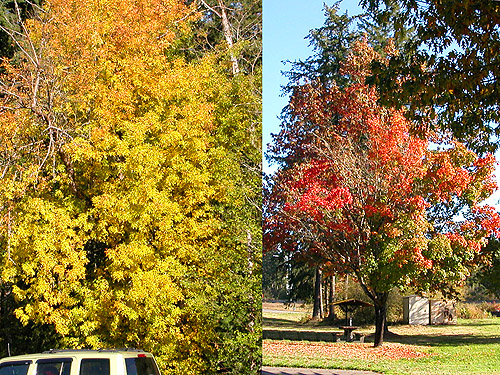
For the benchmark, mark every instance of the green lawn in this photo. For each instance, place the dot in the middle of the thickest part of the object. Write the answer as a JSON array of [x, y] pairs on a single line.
[[470, 347]]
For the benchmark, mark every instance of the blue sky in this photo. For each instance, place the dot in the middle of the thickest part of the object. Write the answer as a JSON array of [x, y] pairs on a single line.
[[286, 24]]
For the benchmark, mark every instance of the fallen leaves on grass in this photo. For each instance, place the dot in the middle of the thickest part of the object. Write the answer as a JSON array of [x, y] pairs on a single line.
[[364, 351]]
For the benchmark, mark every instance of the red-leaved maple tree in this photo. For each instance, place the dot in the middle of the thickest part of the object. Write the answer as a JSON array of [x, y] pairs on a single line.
[[358, 190]]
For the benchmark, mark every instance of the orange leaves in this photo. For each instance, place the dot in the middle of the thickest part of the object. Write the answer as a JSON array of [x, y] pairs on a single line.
[[419, 203], [420, 259], [488, 161], [411, 259], [366, 351], [448, 180], [112, 54], [124, 27], [359, 60], [488, 220], [456, 172]]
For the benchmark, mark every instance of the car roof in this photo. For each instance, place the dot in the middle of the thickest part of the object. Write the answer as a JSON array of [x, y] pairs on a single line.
[[77, 353]]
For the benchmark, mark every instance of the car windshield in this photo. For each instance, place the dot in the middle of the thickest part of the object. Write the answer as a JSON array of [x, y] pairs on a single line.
[[141, 366]]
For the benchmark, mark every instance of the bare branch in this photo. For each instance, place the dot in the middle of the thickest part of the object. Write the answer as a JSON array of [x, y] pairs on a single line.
[[11, 34], [34, 5], [211, 8]]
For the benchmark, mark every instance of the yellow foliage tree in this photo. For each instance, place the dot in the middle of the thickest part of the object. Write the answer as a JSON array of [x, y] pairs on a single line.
[[116, 185]]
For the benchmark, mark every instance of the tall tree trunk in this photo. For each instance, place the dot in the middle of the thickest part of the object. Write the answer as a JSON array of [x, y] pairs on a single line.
[[226, 30], [228, 35], [346, 286], [331, 298], [380, 303], [317, 295], [321, 297]]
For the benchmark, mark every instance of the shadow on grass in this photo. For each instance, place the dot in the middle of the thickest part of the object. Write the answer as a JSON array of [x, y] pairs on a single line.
[[482, 323], [482, 332], [305, 323], [278, 322], [442, 340], [437, 338]]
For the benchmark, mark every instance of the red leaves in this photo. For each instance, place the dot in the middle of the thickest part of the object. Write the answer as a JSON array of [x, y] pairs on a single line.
[[419, 203], [447, 179], [419, 259], [488, 219], [364, 351], [317, 192], [411, 257], [487, 161], [316, 199]]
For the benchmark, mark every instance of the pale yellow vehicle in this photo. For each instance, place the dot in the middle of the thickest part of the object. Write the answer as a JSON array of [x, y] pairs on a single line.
[[81, 362]]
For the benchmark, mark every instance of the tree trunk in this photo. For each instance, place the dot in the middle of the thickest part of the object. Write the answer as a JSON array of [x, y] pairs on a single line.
[[228, 35], [317, 313], [331, 295], [380, 303], [321, 297], [346, 287]]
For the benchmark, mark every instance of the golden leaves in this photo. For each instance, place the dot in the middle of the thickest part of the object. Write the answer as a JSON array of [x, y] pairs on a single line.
[[121, 228]]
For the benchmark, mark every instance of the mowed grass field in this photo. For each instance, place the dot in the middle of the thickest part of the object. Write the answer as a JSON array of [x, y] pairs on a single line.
[[470, 347]]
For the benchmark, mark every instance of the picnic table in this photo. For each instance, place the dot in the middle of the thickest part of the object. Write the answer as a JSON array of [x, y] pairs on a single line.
[[348, 332], [349, 306]]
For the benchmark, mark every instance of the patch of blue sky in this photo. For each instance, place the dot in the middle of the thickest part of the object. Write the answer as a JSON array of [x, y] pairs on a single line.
[[286, 24]]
